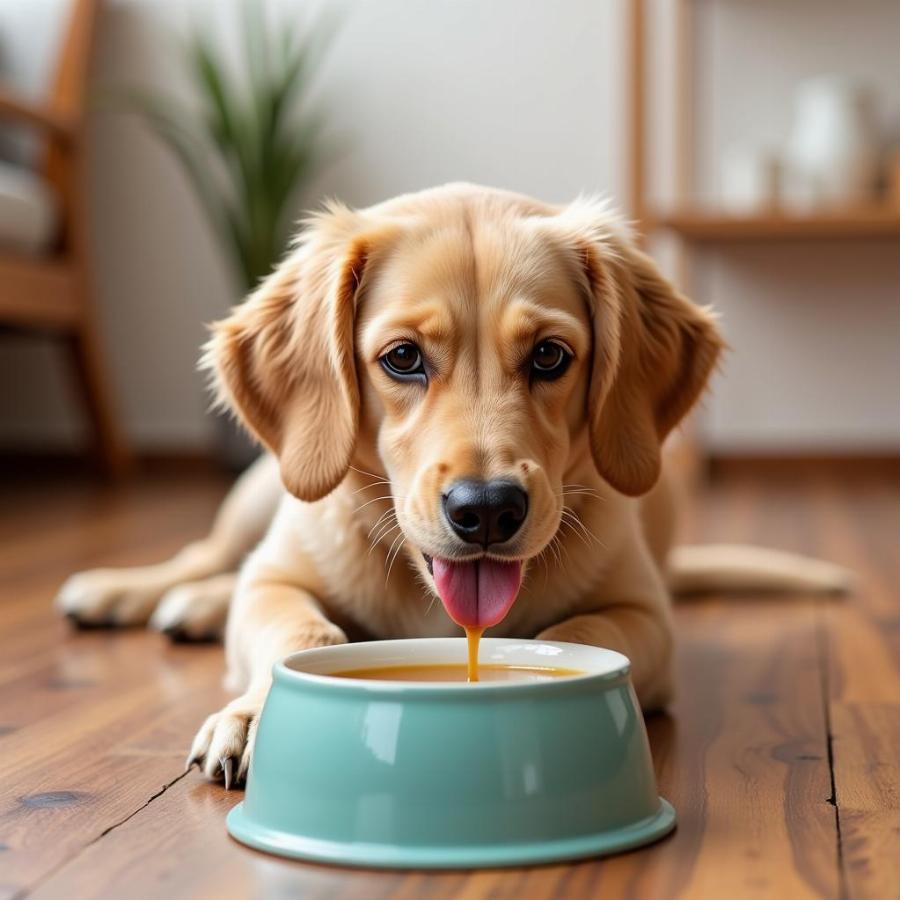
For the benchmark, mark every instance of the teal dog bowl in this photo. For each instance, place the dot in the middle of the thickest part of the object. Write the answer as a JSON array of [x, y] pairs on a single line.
[[440, 775]]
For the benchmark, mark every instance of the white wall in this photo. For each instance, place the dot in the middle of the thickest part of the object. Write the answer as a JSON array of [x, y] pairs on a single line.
[[525, 95]]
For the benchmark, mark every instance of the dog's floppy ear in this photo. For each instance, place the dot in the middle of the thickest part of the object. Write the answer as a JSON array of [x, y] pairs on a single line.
[[653, 353], [284, 359], [668, 347]]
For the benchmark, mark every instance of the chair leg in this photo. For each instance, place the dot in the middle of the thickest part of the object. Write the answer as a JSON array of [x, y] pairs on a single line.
[[112, 452]]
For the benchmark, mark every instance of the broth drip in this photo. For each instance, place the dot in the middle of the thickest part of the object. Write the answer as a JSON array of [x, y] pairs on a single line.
[[473, 636]]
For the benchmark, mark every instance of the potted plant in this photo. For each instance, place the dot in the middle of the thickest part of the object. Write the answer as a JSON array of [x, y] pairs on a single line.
[[249, 144]]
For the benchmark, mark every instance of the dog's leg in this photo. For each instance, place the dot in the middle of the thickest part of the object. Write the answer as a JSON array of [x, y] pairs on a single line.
[[634, 617], [110, 597], [268, 621], [644, 638], [196, 610]]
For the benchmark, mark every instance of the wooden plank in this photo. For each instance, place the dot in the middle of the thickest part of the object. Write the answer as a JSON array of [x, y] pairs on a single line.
[[863, 637], [74, 707], [148, 529], [769, 830], [69, 771]]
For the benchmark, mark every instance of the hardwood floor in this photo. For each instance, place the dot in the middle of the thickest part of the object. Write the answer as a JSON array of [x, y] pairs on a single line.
[[780, 754]]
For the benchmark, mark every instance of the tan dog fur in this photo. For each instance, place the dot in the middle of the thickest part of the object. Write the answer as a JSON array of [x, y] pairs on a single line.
[[476, 278]]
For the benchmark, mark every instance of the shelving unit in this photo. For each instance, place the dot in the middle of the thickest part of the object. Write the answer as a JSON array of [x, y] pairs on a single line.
[[695, 225], [700, 229]]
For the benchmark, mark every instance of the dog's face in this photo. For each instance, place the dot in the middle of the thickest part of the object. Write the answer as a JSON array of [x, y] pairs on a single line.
[[473, 346]]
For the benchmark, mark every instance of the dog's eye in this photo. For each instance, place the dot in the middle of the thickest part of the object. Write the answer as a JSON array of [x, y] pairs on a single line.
[[549, 360], [404, 361]]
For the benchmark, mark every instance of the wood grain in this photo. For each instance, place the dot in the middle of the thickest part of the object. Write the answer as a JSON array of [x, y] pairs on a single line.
[[863, 654], [704, 226], [73, 705], [779, 753]]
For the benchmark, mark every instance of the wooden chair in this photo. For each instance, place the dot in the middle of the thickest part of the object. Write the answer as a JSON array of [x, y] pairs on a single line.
[[45, 283]]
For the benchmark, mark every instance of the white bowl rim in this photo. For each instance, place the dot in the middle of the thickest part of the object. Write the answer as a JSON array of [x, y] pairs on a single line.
[[597, 664]]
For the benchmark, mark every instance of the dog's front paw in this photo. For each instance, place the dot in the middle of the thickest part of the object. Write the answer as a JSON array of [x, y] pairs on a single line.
[[108, 598], [224, 744]]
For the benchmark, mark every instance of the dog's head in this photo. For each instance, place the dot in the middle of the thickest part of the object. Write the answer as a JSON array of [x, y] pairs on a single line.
[[471, 346]]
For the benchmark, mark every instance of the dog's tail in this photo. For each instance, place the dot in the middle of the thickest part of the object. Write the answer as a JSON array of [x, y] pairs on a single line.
[[745, 569]]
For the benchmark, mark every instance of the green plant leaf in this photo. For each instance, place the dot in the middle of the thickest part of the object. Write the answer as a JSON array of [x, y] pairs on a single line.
[[254, 140]]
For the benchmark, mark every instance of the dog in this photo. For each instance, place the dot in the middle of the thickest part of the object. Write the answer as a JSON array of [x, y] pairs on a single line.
[[464, 395]]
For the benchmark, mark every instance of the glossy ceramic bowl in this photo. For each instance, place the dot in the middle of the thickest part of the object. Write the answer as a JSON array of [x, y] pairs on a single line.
[[421, 775]]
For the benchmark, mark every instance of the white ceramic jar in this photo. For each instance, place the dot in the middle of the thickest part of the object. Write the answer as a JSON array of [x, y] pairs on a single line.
[[831, 157]]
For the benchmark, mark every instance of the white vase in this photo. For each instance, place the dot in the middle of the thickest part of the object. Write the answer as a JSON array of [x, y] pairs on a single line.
[[831, 158]]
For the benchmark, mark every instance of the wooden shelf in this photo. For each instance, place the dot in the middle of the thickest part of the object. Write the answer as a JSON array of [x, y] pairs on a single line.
[[708, 226]]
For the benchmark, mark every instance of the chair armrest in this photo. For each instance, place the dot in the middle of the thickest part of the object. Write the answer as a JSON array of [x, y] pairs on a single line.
[[21, 112]]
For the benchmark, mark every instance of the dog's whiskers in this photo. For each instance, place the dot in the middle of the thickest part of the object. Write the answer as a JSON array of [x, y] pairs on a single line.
[[559, 549], [552, 547], [576, 490], [562, 551], [375, 500], [402, 538], [388, 512], [387, 529], [363, 472], [579, 492], [567, 514], [383, 535], [366, 487], [571, 528], [570, 517], [387, 557]]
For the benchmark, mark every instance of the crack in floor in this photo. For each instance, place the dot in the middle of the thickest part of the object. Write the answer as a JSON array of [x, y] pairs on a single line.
[[46, 876], [824, 651], [141, 808]]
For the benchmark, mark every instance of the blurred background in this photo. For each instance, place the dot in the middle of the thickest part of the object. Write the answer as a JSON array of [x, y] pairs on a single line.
[[756, 145]]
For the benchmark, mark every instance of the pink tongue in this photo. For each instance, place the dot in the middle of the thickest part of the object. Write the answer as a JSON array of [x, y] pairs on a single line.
[[477, 594]]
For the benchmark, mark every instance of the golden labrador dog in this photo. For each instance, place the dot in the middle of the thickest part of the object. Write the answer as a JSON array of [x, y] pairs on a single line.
[[465, 393]]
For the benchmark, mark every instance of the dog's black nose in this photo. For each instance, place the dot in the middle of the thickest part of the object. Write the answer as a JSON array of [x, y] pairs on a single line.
[[485, 512]]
